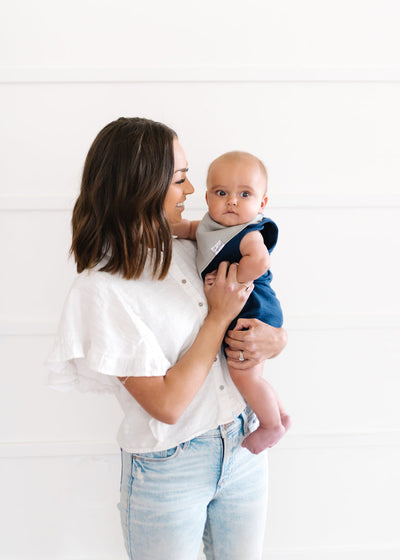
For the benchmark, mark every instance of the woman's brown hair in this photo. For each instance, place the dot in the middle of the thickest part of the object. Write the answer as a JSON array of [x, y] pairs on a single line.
[[119, 214]]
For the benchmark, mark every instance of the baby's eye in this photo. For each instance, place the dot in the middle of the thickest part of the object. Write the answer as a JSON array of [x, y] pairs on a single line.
[[220, 193], [244, 194]]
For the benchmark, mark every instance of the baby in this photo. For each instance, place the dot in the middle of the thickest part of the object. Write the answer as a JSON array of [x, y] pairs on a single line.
[[235, 230]]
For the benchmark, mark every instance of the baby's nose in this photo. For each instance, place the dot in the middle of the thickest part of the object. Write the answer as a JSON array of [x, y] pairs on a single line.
[[232, 199]]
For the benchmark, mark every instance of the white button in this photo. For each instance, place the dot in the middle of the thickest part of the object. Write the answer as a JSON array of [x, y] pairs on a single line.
[[201, 304], [184, 280], [221, 387]]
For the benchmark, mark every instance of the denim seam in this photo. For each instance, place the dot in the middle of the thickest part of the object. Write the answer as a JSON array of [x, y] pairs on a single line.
[[230, 432], [122, 470], [129, 508], [148, 458]]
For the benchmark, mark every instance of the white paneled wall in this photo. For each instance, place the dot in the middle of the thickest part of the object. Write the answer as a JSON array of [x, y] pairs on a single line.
[[313, 89]]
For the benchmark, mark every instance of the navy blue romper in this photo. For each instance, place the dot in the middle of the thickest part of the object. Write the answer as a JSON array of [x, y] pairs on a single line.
[[262, 303]]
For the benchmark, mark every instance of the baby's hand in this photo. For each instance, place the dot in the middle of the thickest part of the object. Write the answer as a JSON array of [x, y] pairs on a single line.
[[185, 229], [210, 278], [181, 229]]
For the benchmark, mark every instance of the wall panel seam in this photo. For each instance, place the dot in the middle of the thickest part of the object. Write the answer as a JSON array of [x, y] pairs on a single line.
[[30, 326], [206, 74], [291, 442], [347, 551], [307, 201]]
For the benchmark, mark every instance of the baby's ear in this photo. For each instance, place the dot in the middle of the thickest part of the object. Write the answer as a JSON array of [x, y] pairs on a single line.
[[264, 202]]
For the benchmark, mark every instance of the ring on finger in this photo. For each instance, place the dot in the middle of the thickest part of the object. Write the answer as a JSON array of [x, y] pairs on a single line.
[[241, 357]]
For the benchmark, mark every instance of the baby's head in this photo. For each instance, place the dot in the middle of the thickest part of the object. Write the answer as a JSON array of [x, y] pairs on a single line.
[[236, 188]]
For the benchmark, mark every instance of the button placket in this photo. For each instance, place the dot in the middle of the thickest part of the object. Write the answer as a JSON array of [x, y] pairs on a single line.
[[222, 393], [190, 289]]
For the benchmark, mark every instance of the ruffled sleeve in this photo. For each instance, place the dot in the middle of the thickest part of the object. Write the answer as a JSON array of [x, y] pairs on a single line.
[[100, 337]]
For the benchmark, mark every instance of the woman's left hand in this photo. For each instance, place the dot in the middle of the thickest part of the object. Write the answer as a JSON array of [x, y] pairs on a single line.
[[252, 341]]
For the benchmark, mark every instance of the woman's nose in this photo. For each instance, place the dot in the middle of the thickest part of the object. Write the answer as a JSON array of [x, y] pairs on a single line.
[[189, 188]]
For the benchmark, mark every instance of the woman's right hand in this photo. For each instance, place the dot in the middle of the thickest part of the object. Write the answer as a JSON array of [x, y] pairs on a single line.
[[252, 342], [225, 295]]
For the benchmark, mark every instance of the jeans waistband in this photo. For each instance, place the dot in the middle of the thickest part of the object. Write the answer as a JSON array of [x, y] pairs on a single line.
[[230, 428]]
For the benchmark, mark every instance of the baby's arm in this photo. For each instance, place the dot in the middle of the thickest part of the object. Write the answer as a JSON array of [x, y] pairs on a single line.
[[185, 229], [255, 259]]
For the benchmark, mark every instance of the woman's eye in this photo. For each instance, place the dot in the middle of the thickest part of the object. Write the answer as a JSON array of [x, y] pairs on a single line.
[[180, 182]]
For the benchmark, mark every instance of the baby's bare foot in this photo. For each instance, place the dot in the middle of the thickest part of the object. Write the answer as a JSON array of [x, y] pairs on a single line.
[[262, 438], [286, 421]]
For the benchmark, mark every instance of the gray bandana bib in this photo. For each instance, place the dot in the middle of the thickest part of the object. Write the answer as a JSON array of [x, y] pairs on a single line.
[[211, 237]]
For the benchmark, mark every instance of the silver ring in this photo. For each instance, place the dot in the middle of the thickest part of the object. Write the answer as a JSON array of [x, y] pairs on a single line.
[[241, 357]]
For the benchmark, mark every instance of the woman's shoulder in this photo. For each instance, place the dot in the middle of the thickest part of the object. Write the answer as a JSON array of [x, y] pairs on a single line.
[[93, 279], [91, 285], [95, 282], [184, 249]]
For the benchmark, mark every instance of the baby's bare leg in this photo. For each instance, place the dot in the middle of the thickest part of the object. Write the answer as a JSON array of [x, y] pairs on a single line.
[[263, 399]]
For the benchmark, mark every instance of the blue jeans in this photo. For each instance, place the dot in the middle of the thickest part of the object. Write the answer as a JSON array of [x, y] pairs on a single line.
[[209, 488]]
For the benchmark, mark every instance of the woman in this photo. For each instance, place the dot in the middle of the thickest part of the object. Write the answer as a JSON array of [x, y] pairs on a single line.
[[139, 322]]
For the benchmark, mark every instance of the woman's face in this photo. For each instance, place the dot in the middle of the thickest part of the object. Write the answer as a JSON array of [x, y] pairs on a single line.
[[179, 188]]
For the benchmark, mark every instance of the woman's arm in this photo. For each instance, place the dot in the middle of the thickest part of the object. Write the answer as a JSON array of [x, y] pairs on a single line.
[[258, 342], [167, 397]]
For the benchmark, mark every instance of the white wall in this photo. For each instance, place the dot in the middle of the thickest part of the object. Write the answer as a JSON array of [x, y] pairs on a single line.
[[312, 88]]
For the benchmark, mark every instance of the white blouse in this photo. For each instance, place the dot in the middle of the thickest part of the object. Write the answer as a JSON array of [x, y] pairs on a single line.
[[112, 327]]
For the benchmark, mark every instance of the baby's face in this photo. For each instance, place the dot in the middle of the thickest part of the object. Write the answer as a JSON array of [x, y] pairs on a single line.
[[236, 191]]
